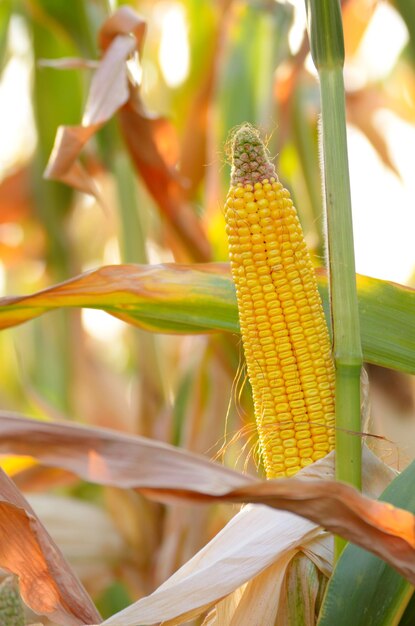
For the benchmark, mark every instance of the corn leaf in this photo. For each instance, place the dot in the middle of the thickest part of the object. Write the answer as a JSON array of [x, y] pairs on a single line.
[[201, 298], [15, 200], [408, 617], [47, 583], [407, 12], [5, 13], [364, 591], [167, 473], [151, 141]]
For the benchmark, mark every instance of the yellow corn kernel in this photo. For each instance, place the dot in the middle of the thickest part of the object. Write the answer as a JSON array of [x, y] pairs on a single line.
[[285, 337]]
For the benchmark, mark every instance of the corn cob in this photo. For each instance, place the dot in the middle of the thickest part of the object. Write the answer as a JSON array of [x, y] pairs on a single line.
[[285, 337], [11, 607]]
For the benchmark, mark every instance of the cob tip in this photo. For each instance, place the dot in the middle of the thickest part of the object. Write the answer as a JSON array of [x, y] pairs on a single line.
[[250, 159]]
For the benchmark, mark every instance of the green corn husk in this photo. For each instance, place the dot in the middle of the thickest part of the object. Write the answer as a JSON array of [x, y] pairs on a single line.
[[11, 606], [304, 589]]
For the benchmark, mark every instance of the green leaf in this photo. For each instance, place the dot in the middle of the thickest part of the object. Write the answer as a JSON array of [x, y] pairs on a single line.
[[408, 618], [57, 99], [201, 298], [115, 598], [364, 590], [5, 14], [407, 12]]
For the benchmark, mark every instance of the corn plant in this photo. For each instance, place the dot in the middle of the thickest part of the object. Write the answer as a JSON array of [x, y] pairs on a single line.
[[304, 337]]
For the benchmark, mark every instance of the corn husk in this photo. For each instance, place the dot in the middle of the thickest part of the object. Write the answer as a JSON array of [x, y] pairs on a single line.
[[245, 564], [11, 606]]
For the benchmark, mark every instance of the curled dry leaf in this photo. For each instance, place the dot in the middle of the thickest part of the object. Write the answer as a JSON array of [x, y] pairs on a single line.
[[47, 584], [362, 106], [111, 458], [151, 140], [68, 63], [167, 473], [200, 298]]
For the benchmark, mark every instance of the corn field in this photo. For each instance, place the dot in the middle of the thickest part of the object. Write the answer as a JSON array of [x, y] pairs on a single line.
[[207, 312]]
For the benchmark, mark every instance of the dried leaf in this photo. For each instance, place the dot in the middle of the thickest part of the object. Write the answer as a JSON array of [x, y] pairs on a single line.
[[47, 584], [166, 473], [109, 91], [15, 196], [251, 542], [39, 478], [111, 458], [255, 546], [124, 21], [109, 88], [63, 164], [361, 107], [151, 140], [143, 136], [257, 603], [68, 63], [356, 19]]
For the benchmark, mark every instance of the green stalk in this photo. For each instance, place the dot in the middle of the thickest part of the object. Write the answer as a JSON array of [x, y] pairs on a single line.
[[133, 250], [327, 49], [52, 374], [132, 235]]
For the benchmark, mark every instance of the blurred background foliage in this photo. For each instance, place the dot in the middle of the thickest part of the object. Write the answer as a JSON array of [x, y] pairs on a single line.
[[207, 65]]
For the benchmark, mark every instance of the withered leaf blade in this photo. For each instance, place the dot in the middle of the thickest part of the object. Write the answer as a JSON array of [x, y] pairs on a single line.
[[47, 583], [111, 458], [151, 140], [15, 195], [362, 106], [154, 146], [165, 473], [109, 91], [257, 539], [124, 21], [68, 63], [64, 165]]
